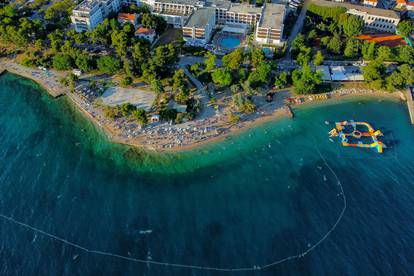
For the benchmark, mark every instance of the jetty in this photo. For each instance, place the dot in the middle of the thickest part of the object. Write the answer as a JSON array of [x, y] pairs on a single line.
[[289, 111], [410, 104]]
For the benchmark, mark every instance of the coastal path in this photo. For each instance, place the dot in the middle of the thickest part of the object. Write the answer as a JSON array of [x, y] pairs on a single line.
[[297, 27]]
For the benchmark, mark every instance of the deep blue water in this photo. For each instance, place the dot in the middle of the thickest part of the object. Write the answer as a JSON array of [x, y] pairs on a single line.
[[260, 196]]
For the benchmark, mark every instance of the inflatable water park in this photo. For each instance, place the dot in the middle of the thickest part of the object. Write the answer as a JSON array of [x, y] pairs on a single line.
[[357, 134]]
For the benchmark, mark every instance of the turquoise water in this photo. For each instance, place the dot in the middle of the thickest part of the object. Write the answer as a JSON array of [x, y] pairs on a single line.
[[260, 196], [230, 42]]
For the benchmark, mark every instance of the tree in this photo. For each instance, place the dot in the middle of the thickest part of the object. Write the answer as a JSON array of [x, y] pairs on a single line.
[[156, 86], [395, 81], [140, 115], [59, 11], [318, 58], [305, 80], [257, 57], [119, 42], [178, 80], [164, 56], [235, 88], [312, 35], [408, 72], [297, 44], [304, 55], [406, 54], [62, 62], [405, 28], [326, 12], [261, 75], [368, 50], [140, 55], [353, 25], [233, 60], [373, 74], [126, 80], [335, 45], [84, 62], [281, 80], [383, 53], [222, 77], [210, 61], [108, 65], [352, 48]]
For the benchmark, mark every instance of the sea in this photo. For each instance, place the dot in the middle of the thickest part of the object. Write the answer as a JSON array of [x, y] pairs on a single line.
[[281, 198]]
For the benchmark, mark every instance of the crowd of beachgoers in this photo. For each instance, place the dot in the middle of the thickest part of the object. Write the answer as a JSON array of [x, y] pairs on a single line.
[[164, 135]]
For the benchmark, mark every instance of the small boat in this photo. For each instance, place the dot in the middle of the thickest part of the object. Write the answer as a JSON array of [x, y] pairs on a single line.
[[327, 123], [143, 232]]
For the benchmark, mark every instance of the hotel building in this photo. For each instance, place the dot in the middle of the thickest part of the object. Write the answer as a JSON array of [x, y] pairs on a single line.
[[269, 29]]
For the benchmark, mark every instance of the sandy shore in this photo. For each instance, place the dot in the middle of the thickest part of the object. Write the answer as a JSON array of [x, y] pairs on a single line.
[[48, 79], [166, 137]]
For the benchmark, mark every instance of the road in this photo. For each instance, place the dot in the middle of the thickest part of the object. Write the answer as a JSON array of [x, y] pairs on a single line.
[[297, 28]]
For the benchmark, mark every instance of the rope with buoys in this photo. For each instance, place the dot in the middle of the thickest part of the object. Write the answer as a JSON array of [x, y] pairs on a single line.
[[188, 266]]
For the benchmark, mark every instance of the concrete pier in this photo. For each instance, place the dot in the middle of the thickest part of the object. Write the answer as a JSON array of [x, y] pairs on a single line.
[[410, 103]]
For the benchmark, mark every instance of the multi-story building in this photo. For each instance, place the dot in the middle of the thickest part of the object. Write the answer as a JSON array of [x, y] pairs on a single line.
[[199, 27], [374, 18], [269, 29], [176, 12], [243, 14], [89, 13]]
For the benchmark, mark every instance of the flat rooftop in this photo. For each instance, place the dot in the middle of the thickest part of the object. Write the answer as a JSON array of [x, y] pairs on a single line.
[[362, 9], [272, 17], [218, 4], [200, 18], [182, 2], [86, 5], [243, 8]]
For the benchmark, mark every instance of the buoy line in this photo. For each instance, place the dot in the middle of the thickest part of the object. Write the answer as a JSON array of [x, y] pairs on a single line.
[[188, 266]]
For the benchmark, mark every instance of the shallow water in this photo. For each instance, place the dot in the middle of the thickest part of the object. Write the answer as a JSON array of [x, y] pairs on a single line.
[[257, 197]]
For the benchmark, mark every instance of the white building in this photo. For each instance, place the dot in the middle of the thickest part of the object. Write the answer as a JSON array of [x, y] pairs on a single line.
[[370, 3], [199, 27], [374, 18], [175, 12], [269, 29], [89, 13], [145, 33]]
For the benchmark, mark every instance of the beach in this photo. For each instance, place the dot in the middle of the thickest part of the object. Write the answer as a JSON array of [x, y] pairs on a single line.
[[167, 137]]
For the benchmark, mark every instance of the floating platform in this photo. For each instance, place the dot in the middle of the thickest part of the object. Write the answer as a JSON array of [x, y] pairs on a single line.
[[354, 134]]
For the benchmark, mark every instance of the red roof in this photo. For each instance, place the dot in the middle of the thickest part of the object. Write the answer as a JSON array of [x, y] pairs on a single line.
[[384, 39], [127, 17], [145, 31]]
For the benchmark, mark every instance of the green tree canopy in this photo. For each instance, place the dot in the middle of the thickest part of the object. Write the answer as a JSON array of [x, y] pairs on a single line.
[[318, 58], [373, 73], [222, 77], [108, 65], [352, 48], [335, 45], [405, 28], [210, 61], [62, 62], [352, 25], [233, 60], [305, 80]]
